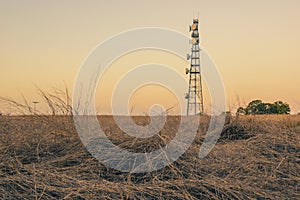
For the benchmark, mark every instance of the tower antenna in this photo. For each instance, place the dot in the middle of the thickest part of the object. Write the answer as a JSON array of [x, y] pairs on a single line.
[[194, 95]]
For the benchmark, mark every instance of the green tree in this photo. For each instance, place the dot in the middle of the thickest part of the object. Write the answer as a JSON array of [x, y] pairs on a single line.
[[282, 108], [257, 107], [241, 111], [270, 108], [253, 107]]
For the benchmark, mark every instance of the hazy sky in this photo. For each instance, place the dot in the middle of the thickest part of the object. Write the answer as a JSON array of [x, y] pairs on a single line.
[[255, 44]]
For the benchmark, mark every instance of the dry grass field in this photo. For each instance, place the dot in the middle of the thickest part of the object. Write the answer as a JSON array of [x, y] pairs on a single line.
[[257, 157]]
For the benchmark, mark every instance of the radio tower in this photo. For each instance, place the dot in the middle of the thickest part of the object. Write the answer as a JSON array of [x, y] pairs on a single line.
[[194, 96]]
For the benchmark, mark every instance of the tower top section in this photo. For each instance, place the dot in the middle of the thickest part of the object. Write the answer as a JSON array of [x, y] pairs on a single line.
[[194, 26], [195, 33]]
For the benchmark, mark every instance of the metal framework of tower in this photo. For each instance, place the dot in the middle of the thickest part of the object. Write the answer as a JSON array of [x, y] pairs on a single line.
[[194, 96]]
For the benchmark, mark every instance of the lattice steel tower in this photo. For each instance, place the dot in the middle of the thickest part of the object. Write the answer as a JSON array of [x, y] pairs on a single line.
[[194, 96]]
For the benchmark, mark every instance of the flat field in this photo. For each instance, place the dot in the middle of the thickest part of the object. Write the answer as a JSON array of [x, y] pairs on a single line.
[[256, 157]]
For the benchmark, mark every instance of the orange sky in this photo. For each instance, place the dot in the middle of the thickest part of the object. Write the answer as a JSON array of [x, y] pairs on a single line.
[[255, 44]]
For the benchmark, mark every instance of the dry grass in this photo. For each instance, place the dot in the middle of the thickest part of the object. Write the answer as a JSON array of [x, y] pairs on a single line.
[[256, 157]]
